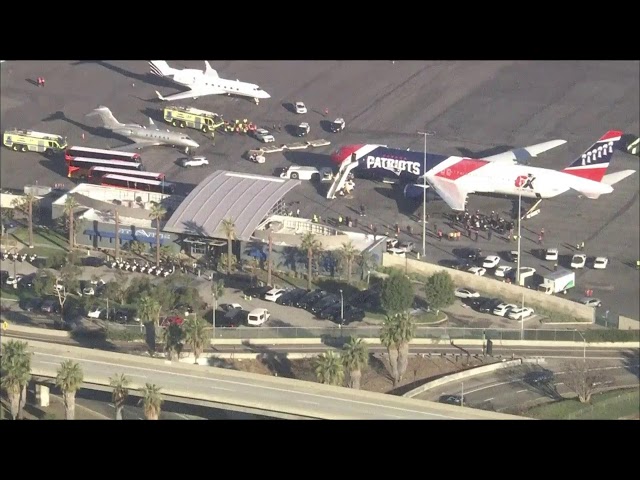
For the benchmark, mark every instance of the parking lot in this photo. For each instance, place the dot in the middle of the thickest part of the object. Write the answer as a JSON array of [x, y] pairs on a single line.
[[474, 109]]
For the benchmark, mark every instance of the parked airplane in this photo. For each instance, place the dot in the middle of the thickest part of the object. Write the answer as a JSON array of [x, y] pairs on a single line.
[[143, 136], [453, 178], [202, 83]]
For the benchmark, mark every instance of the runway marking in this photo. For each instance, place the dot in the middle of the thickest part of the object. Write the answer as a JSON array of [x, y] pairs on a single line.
[[254, 385], [523, 390]]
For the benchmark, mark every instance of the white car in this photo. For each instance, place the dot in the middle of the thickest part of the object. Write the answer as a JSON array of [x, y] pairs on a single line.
[[398, 252], [503, 309], [513, 256], [193, 161], [264, 135], [600, 263], [578, 260], [88, 291], [491, 261], [477, 271], [502, 271], [520, 313], [99, 282], [94, 312], [591, 302], [13, 280], [258, 317], [300, 107], [551, 254], [274, 294], [225, 307], [466, 293]]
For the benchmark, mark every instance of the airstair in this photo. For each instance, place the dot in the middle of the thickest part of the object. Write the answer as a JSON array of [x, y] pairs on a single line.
[[340, 180]]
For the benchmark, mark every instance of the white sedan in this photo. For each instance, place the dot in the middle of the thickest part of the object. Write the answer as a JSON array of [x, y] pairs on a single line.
[[600, 263], [578, 260], [477, 271], [94, 312], [88, 291], [14, 280], [503, 309], [520, 313], [466, 293], [274, 294], [551, 254], [300, 107], [491, 261], [502, 271], [591, 302], [264, 136]]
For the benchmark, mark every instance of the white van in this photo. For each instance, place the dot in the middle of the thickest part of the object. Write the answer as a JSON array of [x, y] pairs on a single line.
[[258, 316]]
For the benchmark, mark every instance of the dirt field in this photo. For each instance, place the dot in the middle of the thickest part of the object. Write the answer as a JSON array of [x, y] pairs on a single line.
[[375, 377]]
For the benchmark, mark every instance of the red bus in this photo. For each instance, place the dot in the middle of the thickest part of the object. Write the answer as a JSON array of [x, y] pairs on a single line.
[[96, 173], [100, 154], [79, 167], [133, 183]]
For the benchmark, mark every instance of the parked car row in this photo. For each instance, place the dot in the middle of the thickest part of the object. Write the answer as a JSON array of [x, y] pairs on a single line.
[[495, 306]]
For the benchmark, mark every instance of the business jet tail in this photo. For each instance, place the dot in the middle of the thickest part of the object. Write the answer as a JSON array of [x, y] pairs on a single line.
[[107, 117], [208, 71], [593, 163], [161, 68]]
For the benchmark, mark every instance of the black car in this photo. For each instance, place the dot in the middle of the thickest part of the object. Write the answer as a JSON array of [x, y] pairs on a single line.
[[257, 292], [329, 312], [92, 262], [475, 302], [350, 314], [324, 302], [367, 299], [231, 318], [468, 253], [310, 298], [290, 297], [451, 399], [540, 377], [27, 280], [124, 317], [32, 305], [457, 263], [489, 305]]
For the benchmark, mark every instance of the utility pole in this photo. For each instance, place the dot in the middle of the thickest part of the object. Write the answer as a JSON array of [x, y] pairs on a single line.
[[424, 195], [269, 259], [117, 239]]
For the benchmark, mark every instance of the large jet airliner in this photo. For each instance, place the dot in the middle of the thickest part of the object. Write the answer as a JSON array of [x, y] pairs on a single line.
[[202, 83]]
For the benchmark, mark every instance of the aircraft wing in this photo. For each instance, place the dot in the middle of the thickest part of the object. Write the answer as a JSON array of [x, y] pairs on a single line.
[[136, 146], [454, 194], [520, 155], [193, 93]]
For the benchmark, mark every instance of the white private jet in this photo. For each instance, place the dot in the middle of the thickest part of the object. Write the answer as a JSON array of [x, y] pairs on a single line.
[[202, 83]]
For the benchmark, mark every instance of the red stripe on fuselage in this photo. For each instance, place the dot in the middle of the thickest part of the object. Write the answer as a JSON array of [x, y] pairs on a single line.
[[460, 169], [596, 174], [345, 152]]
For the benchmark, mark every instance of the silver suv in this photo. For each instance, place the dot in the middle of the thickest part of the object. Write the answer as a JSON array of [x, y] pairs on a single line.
[[193, 161]]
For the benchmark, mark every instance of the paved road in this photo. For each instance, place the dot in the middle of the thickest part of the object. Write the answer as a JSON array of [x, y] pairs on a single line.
[[508, 391], [240, 388], [474, 108]]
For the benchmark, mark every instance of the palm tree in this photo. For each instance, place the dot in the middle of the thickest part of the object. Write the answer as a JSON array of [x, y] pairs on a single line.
[[119, 382], [405, 331], [69, 380], [311, 246], [355, 356], [196, 335], [151, 401], [349, 254], [157, 213], [229, 228], [388, 338], [148, 309], [25, 205], [117, 239], [217, 291], [365, 259], [70, 205], [15, 374], [329, 369], [173, 338]]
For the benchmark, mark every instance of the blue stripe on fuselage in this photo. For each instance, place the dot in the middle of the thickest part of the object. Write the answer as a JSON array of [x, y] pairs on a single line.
[[405, 165]]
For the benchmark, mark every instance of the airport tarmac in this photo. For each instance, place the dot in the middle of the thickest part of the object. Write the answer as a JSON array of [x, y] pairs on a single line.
[[474, 109]]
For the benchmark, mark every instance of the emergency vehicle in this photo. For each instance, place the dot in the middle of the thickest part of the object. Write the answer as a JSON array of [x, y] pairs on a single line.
[[28, 140], [193, 118]]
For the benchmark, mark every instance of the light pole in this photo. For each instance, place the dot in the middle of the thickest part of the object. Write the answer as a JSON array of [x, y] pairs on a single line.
[[519, 222], [424, 196], [214, 297], [584, 343], [341, 308]]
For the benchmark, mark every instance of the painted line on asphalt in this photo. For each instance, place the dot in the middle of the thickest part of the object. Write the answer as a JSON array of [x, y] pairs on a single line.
[[221, 388], [523, 390], [308, 402], [492, 386], [255, 386], [489, 399]]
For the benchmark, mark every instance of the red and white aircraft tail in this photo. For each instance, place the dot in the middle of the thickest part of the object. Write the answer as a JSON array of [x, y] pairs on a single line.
[[593, 163]]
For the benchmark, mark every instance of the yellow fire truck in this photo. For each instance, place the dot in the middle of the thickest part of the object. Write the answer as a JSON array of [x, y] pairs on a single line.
[[193, 118], [28, 140]]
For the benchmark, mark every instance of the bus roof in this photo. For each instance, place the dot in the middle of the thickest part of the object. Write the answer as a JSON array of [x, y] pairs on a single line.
[[100, 150], [101, 162], [126, 178], [124, 171]]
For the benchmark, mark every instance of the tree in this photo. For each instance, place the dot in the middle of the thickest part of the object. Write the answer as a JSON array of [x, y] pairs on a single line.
[[405, 330], [137, 248], [69, 380], [389, 339], [120, 384], [581, 380], [25, 205], [229, 228], [70, 205], [230, 262], [397, 293], [70, 282], [15, 375], [151, 401], [329, 369], [195, 332], [311, 247], [148, 310], [173, 338], [355, 356], [349, 254], [43, 283], [439, 290], [365, 260], [217, 291], [157, 213]]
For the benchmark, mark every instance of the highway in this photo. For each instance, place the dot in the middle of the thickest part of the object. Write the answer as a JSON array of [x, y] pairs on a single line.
[[245, 389]]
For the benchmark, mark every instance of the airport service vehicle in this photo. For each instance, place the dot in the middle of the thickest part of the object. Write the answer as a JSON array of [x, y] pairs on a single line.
[[551, 254], [193, 161], [258, 316], [578, 260], [302, 130], [503, 309], [520, 313], [96, 173], [296, 172], [300, 107], [477, 271], [32, 141], [133, 183], [558, 281], [464, 292], [273, 294], [591, 302], [600, 263], [453, 178], [337, 125], [491, 261], [264, 135], [193, 118], [204, 82]]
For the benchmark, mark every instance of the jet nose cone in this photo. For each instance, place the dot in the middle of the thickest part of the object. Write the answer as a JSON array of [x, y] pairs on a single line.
[[265, 94]]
